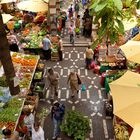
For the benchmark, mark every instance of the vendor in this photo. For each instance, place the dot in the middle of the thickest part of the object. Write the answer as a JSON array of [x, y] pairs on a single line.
[[13, 42], [28, 120], [47, 47]]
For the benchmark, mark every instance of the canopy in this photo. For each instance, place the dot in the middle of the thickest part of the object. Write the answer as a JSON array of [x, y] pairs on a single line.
[[46, 1], [33, 6], [136, 133], [132, 50], [7, 1], [6, 17], [126, 97], [129, 24]]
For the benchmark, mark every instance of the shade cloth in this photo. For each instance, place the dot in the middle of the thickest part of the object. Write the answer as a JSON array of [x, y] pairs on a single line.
[[136, 133], [7, 1], [126, 97], [129, 24], [6, 17], [33, 6], [132, 50]]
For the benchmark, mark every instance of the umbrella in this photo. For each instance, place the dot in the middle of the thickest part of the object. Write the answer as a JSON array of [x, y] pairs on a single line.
[[132, 50], [47, 1], [7, 1], [33, 6], [6, 17], [126, 97], [129, 24], [136, 133]]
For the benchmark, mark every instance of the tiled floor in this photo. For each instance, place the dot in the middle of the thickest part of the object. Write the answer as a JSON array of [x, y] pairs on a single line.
[[90, 102]]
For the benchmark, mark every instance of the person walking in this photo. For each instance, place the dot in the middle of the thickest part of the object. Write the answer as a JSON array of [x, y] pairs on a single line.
[[75, 81], [53, 78], [76, 8], [57, 114], [70, 10], [77, 25], [71, 33], [37, 132], [89, 56], [47, 47], [64, 18], [60, 48]]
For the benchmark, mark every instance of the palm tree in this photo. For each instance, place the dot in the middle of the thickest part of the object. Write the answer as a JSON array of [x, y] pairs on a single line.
[[6, 61]]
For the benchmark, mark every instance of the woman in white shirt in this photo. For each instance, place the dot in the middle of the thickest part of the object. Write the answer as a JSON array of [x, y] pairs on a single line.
[[37, 132]]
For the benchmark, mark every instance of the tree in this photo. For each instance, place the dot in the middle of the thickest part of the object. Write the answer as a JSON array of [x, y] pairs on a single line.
[[6, 61], [109, 12]]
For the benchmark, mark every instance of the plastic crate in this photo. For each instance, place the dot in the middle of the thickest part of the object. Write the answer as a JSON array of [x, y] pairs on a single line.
[[41, 91]]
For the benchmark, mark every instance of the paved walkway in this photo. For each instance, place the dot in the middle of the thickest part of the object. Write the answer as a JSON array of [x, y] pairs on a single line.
[[90, 103]]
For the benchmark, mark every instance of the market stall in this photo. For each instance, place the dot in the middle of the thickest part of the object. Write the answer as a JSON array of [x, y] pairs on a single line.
[[54, 49], [31, 39], [128, 90], [25, 66]]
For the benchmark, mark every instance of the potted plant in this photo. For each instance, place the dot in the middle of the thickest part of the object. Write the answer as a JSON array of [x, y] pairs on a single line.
[[75, 125]]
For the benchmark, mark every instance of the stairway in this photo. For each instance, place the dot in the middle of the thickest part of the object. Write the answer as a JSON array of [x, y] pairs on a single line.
[[79, 42]]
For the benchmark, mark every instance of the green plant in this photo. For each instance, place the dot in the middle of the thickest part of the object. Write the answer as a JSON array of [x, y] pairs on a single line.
[[109, 12], [75, 125]]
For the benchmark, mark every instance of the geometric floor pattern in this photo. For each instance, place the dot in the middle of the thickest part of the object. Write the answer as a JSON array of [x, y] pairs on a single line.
[[90, 102]]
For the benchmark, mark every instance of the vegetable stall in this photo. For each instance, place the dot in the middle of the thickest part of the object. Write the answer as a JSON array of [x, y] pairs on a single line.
[[11, 106]]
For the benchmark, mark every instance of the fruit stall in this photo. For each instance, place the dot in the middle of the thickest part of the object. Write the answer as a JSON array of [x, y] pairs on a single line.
[[122, 129], [11, 106]]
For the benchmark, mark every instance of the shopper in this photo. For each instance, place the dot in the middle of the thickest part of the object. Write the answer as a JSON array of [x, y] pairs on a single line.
[[89, 56], [57, 114], [13, 42], [84, 2], [71, 33], [53, 78], [88, 27], [76, 8], [64, 18], [75, 81], [70, 10], [60, 48], [47, 47], [77, 26], [37, 132]]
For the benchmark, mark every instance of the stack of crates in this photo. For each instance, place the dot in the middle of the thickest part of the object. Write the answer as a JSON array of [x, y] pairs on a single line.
[[102, 52], [112, 50]]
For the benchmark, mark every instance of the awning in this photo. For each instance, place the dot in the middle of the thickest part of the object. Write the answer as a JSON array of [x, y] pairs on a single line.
[[33, 6], [126, 97], [7, 1], [132, 50], [6, 17]]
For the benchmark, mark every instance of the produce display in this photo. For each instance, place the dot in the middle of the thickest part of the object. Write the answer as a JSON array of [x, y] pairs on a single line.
[[10, 112], [33, 39], [38, 75], [3, 82], [25, 71], [121, 132]]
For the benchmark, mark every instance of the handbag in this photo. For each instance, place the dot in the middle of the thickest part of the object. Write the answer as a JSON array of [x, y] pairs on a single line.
[[83, 88], [79, 80]]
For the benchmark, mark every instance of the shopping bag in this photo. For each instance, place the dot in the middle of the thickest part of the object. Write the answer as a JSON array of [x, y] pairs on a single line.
[[83, 88]]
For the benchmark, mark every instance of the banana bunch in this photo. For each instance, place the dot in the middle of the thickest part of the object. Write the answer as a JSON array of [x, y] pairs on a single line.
[[121, 132]]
